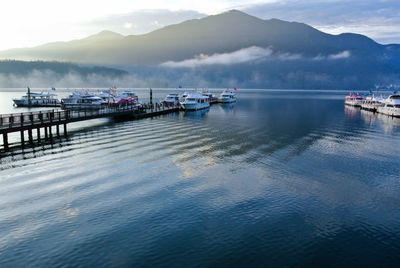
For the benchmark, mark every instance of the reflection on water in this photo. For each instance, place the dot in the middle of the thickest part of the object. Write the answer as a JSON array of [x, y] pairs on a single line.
[[279, 179], [196, 114]]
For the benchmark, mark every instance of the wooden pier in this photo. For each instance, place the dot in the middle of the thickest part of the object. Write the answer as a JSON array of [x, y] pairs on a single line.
[[49, 120]]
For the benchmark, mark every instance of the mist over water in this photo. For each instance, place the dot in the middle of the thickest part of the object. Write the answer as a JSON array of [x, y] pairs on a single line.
[[282, 178]]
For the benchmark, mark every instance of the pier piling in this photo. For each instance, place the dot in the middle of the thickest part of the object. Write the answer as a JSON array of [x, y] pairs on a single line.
[[30, 136], [38, 134], [22, 137], [5, 141]]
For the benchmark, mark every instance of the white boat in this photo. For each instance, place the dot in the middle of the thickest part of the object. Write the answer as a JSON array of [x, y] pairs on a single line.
[[82, 100], [210, 96], [195, 101], [108, 96], [227, 96], [391, 106], [371, 103], [354, 99], [171, 99], [128, 96], [43, 99]]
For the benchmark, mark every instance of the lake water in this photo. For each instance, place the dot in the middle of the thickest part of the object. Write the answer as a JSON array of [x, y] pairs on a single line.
[[282, 178]]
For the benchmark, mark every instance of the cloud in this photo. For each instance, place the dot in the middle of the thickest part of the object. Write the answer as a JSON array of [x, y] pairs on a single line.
[[240, 56], [379, 20], [48, 78], [339, 56], [141, 21], [342, 55], [247, 55], [243, 55]]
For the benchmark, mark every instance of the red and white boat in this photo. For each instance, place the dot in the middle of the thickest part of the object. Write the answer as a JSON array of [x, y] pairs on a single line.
[[354, 100]]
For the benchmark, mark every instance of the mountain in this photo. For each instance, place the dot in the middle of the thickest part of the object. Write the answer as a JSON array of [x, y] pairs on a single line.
[[25, 67], [221, 33], [304, 56]]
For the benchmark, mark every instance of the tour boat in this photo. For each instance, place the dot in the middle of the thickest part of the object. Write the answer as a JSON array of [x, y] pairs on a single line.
[[195, 101], [43, 99], [391, 106], [354, 99], [227, 96], [82, 100], [171, 99], [108, 96], [128, 97], [211, 96], [371, 103]]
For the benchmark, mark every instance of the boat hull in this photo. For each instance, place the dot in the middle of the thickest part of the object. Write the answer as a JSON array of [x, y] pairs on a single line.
[[195, 106], [395, 112], [23, 103], [79, 106], [353, 103], [226, 100]]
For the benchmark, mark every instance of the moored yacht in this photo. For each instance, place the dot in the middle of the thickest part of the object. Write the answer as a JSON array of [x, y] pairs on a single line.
[[391, 106], [128, 96], [227, 96], [42, 99], [195, 101], [371, 103], [171, 99], [354, 99], [82, 100]]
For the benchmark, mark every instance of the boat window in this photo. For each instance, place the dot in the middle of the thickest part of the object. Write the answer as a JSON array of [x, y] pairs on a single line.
[[397, 106], [389, 105]]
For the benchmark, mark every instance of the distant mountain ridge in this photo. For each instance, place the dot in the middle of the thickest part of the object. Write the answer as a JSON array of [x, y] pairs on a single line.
[[221, 33], [25, 67]]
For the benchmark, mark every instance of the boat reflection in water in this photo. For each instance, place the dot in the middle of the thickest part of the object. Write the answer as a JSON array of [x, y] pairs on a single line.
[[386, 123], [196, 114], [227, 106], [351, 111]]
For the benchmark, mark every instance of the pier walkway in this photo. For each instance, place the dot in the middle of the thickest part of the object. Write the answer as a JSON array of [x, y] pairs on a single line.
[[47, 119]]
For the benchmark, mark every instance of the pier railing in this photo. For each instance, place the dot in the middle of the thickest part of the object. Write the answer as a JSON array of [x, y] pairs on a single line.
[[71, 115]]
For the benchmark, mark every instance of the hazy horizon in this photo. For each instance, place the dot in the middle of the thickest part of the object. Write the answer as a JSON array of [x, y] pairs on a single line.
[[44, 21]]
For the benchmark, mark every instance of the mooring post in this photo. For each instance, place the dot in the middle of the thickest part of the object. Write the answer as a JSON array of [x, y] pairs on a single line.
[[5, 141], [30, 136], [38, 134], [65, 130]]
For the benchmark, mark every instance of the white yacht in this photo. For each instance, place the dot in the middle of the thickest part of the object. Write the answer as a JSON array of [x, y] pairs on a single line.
[[391, 106], [354, 99], [371, 103], [128, 96], [43, 99], [227, 96], [108, 96], [171, 99], [82, 100], [195, 101]]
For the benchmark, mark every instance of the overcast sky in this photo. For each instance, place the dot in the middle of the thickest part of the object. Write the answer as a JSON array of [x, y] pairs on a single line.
[[26, 23]]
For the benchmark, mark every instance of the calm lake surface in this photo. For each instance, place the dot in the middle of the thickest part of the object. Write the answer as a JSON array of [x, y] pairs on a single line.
[[282, 178]]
